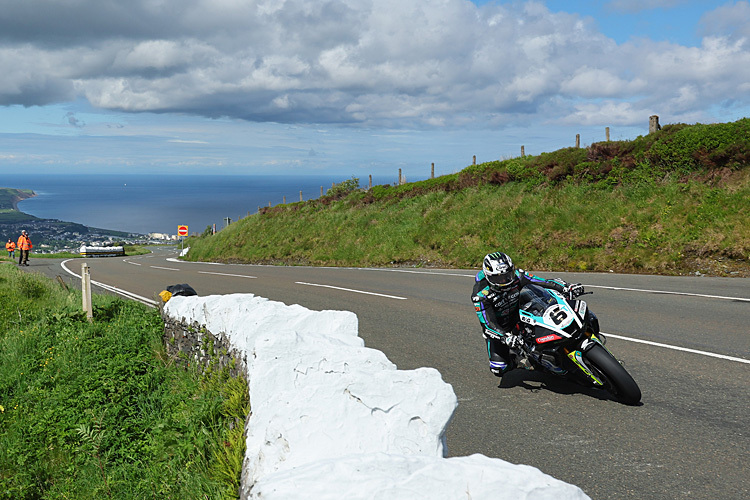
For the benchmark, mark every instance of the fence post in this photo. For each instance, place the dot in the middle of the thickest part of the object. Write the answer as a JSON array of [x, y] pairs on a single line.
[[432, 171], [86, 291], [399, 177], [578, 140], [300, 196], [370, 186], [475, 160], [321, 190], [607, 132], [523, 153]]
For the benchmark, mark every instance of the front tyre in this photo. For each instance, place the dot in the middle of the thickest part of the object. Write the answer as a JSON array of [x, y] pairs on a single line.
[[616, 379]]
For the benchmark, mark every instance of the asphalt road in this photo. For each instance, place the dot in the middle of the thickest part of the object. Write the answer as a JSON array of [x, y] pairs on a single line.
[[689, 438]]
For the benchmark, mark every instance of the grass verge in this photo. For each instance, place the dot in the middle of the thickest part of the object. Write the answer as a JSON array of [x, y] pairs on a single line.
[[98, 410]]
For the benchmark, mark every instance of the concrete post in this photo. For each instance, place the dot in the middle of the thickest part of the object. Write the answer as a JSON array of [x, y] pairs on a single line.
[[86, 292]]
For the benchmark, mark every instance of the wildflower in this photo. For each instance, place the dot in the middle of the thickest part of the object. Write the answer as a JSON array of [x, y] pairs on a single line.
[[2, 410]]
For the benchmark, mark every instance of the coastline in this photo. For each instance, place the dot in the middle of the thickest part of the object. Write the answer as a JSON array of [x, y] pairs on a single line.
[[22, 194]]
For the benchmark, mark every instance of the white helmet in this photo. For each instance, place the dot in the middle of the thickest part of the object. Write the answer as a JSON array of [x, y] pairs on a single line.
[[499, 270]]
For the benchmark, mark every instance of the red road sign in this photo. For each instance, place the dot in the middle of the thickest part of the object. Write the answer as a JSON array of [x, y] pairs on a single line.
[[182, 230]]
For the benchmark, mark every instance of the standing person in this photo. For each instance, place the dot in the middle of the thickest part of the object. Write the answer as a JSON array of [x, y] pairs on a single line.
[[496, 296], [24, 245], [11, 248]]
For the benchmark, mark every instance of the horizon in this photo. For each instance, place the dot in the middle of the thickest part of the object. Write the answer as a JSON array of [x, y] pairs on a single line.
[[353, 90]]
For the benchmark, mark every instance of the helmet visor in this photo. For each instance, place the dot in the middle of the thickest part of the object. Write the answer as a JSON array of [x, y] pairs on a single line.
[[501, 279]]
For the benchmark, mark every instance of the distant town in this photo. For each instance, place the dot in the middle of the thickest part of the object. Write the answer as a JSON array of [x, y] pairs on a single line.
[[54, 236]]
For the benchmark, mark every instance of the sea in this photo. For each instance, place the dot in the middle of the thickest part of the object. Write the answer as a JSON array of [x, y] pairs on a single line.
[[159, 203]]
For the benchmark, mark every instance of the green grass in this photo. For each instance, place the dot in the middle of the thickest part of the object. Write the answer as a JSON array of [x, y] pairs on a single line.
[[672, 202], [97, 410]]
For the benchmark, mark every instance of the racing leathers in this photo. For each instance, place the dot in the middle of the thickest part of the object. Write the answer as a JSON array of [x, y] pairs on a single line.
[[498, 314]]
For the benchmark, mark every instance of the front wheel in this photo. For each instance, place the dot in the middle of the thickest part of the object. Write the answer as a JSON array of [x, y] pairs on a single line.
[[616, 379]]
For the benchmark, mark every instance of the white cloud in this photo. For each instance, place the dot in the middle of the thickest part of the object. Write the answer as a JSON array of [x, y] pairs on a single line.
[[379, 63], [732, 19]]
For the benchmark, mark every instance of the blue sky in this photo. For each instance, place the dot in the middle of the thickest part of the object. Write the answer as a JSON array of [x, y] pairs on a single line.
[[352, 88]]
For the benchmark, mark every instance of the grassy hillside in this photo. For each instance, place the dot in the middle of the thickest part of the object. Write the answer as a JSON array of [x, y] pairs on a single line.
[[9, 197], [98, 410], [676, 201]]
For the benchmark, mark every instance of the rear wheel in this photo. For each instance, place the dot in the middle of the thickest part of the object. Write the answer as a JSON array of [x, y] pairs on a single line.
[[616, 379]]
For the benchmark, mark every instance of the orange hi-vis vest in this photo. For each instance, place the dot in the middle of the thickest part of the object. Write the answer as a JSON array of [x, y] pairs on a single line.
[[10, 246], [24, 243]]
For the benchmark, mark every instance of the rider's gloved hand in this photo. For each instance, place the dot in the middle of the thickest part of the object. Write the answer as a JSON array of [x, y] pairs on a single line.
[[573, 290], [512, 340]]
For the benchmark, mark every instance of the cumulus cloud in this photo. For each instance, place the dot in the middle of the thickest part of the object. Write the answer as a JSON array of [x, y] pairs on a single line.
[[433, 63]]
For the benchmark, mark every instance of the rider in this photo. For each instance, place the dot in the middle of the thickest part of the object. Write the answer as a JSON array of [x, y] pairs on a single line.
[[496, 297]]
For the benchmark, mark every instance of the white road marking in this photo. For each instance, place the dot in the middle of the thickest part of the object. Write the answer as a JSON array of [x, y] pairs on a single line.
[[664, 292], [351, 290], [669, 293], [676, 348], [134, 263], [225, 274], [172, 259], [165, 268], [119, 291]]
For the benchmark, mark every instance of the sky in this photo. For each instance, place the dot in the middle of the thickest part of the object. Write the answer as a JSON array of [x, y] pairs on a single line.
[[352, 87]]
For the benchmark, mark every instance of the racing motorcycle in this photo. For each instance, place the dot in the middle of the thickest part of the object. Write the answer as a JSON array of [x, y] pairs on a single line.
[[561, 336]]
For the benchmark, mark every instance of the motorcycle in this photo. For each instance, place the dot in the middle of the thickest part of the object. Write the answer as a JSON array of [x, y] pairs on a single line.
[[561, 336]]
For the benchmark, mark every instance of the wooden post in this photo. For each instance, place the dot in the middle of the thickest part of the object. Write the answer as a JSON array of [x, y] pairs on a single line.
[[284, 199], [399, 177], [606, 130], [432, 171], [523, 153], [321, 190], [86, 291], [300, 196], [578, 140], [370, 185], [475, 160]]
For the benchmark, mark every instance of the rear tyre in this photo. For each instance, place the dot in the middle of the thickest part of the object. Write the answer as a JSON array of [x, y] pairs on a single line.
[[616, 379]]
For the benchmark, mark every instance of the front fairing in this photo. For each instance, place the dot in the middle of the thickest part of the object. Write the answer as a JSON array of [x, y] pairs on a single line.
[[548, 318]]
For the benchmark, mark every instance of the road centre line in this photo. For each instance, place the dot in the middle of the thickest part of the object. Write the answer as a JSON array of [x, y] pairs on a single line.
[[225, 274], [676, 348], [351, 290], [663, 292], [165, 268], [669, 293]]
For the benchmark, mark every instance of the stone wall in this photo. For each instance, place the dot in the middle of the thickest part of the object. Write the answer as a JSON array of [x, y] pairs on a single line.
[[194, 344]]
